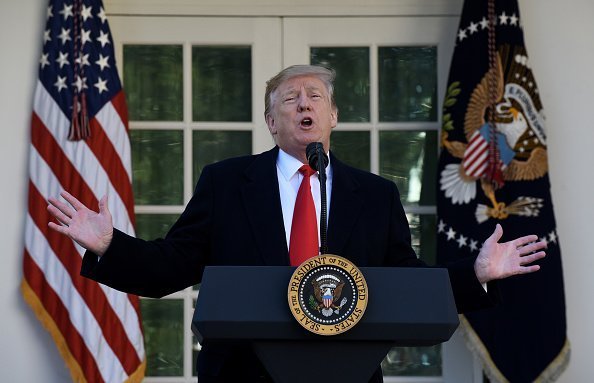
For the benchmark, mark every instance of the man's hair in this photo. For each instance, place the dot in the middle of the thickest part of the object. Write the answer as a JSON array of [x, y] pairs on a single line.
[[326, 75]]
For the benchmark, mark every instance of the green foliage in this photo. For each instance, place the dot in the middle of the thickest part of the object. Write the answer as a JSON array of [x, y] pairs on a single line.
[[450, 100], [313, 304]]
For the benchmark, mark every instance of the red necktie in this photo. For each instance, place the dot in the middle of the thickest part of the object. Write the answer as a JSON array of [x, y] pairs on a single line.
[[304, 229]]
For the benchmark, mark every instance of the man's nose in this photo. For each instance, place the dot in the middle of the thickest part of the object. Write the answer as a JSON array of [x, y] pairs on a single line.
[[305, 107], [304, 104]]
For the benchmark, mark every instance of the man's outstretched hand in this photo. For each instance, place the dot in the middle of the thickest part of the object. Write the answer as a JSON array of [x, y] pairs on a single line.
[[90, 229], [502, 260]]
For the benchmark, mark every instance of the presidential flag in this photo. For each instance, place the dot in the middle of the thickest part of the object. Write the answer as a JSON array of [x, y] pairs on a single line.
[[493, 169], [79, 143]]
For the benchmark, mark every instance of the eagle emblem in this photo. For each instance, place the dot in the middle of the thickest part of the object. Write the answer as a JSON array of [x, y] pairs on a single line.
[[520, 140], [327, 292]]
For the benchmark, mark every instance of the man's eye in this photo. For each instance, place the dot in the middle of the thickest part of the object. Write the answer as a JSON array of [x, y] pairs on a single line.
[[316, 96], [289, 99]]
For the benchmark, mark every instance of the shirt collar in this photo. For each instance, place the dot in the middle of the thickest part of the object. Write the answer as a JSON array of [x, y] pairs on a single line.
[[289, 165]]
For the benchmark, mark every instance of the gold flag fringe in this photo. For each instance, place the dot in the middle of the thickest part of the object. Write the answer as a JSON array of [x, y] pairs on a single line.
[[48, 323], [476, 346], [138, 375]]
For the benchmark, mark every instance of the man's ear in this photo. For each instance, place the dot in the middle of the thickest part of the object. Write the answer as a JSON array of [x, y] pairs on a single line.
[[334, 118], [271, 124]]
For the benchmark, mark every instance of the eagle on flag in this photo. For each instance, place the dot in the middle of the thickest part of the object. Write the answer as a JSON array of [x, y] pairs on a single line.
[[520, 141]]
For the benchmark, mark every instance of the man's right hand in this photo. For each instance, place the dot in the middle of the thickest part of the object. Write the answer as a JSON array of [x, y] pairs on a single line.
[[90, 229]]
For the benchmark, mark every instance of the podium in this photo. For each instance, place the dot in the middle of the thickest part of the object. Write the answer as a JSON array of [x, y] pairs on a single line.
[[406, 307]]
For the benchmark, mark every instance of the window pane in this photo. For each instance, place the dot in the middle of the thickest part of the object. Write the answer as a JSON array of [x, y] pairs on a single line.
[[417, 361], [153, 81], [221, 83], [413, 361], [422, 230], [409, 159], [151, 226], [352, 148], [163, 336], [157, 167], [196, 347], [407, 83], [211, 146], [351, 88]]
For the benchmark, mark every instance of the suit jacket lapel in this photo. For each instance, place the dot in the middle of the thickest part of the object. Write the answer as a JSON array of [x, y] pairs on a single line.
[[261, 199], [345, 206]]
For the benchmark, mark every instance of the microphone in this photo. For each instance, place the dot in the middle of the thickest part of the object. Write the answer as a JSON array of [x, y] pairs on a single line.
[[318, 160], [314, 152]]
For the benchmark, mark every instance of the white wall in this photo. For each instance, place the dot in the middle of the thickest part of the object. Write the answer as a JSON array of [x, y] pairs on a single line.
[[26, 351], [560, 42]]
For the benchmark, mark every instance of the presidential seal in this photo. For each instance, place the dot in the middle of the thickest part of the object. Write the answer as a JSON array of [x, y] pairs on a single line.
[[327, 294]]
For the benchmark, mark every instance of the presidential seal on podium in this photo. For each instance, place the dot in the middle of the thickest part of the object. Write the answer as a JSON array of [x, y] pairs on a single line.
[[327, 294]]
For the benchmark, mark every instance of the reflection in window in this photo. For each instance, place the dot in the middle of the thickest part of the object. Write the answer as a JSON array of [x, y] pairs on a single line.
[[157, 166], [163, 325], [153, 80], [422, 230], [409, 159], [152, 226], [352, 148], [196, 346], [413, 361], [407, 83], [221, 83]]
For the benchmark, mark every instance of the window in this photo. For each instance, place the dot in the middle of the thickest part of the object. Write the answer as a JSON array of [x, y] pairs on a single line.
[[195, 90], [407, 92]]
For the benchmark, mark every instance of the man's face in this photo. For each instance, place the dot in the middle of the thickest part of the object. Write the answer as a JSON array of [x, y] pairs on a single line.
[[301, 113]]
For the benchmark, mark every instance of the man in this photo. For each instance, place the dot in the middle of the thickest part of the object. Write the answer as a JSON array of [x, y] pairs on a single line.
[[242, 214]]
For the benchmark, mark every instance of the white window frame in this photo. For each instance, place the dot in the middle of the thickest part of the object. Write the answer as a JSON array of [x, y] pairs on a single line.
[[174, 14]]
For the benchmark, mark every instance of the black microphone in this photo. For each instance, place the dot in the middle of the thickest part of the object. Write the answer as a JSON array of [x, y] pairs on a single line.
[[314, 152], [318, 160]]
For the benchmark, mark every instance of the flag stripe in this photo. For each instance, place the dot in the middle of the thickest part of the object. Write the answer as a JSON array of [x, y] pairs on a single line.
[[48, 185], [476, 146], [476, 155], [112, 121], [80, 156], [476, 150], [103, 150], [57, 164], [60, 316], [82, 320], [479, 165], [89, 291], [119, 103]]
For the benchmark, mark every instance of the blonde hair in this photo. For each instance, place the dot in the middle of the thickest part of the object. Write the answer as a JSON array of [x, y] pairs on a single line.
[[326, 75]]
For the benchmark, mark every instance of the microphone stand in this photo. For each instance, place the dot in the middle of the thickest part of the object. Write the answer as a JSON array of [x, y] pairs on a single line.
[[323, 199], [317, 159]]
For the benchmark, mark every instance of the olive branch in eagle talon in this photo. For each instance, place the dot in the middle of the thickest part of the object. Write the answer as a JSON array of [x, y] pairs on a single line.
[[450, 100]]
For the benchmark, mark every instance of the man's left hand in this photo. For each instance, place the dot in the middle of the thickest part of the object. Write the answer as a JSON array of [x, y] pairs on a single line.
[[502, 260]]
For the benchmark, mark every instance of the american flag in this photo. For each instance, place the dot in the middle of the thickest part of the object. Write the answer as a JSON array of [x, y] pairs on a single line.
[[476, 156], [80, 143]]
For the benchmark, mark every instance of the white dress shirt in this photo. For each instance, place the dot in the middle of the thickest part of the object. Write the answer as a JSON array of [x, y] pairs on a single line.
[[289, 180]]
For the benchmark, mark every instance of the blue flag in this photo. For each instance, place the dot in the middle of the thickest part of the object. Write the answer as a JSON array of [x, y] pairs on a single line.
[[493, 169]]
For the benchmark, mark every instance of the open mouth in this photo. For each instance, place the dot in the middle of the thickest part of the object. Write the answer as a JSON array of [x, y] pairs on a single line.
[[306, 122]]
